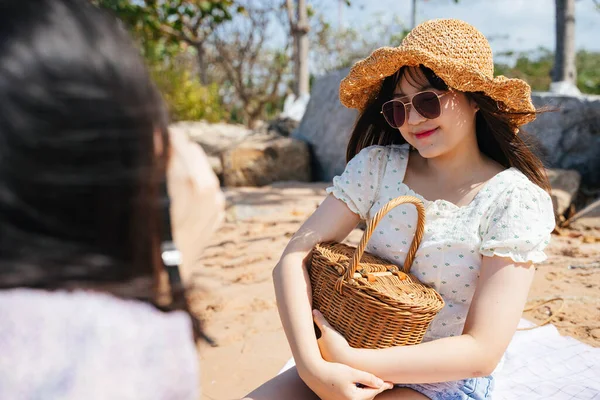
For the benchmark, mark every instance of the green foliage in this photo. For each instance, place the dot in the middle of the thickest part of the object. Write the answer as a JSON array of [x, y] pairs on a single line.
[[588, 72], [186, 98], [162, 28], [536, 70], [188, 20]]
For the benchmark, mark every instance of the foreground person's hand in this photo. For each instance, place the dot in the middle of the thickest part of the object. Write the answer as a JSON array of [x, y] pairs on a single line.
[[197, 203]]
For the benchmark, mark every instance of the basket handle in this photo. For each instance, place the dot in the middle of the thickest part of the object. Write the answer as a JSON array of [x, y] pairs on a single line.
[[372, 224]]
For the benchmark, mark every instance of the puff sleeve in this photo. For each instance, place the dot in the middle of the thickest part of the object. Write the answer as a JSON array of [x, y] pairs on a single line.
[[518, 224], [357, 186]]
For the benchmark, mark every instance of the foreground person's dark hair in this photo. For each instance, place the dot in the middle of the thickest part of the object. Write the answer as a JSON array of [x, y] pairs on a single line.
[[79, 170]]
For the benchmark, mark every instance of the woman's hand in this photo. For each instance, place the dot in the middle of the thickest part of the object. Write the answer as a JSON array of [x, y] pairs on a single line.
[[334, 347], [333, 381]]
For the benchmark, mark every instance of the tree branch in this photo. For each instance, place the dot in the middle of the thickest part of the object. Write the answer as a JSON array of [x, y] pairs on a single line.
[[290, 11]]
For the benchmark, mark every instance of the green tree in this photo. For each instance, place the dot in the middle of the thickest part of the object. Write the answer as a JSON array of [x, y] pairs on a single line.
[[588, 71], [299, 29], [174, 21], [185, 96], [254, 71], [535, 67], [332, 49]]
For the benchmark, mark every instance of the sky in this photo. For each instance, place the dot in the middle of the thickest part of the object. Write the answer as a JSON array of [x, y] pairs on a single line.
[[519, 25]]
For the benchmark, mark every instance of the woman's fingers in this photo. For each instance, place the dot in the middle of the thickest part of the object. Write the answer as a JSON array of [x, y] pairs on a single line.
[[370, 393], [320, 320], [367, 379]]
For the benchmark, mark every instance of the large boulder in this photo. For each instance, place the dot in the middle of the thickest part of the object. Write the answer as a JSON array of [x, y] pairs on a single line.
[[565, 184], [235, 143], [588, 218], [266, 159], [214, 138], [326, 126], [569, 138], [279, 126]]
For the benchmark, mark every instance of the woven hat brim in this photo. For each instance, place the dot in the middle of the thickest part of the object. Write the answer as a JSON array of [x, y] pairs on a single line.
[[365, 78]]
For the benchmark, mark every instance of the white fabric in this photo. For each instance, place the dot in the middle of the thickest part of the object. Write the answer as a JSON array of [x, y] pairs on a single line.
[[84, 345], [542, 365], [509, 217]]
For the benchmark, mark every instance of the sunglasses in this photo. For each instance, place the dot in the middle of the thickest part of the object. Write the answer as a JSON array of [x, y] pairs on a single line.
[[426, 103]]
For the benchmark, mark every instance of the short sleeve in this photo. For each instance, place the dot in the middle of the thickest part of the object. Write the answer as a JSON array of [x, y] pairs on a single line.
[[518, 224], [357, 185]]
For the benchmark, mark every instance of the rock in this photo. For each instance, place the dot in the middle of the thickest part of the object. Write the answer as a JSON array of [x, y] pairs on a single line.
[[283, 126], [264, 160], [326, 126], [242, 148], [214, 138], [569, 138], [279, 126], [564, 87], [217, 166], [588, 218], [294, 108], [565, 184]]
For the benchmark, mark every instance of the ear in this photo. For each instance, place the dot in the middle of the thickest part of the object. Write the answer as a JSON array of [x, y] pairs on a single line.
[[474, 106], [158, 140], [473, 103]]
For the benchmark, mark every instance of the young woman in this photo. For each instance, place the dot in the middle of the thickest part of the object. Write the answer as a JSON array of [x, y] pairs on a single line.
[[434, 123], [83, 155]]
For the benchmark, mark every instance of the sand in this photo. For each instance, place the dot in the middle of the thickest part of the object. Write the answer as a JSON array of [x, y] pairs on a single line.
[[237, 300]]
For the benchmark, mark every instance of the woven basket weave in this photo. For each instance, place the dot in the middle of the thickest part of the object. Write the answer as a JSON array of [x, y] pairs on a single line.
[[369, 300]]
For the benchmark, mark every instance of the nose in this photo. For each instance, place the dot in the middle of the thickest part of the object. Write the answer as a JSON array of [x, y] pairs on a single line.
[[414, 118]]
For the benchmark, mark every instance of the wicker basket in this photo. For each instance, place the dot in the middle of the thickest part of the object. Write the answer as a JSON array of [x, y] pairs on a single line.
[[371, 302]]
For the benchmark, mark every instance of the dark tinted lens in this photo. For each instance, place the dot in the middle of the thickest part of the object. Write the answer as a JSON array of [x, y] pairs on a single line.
[[427, 104], [394, 114]]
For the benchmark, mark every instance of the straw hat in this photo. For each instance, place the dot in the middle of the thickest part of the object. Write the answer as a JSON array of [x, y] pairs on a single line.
[[456, 51]]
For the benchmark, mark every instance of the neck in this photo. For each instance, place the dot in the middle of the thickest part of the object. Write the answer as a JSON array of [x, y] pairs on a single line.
[[460, 164]]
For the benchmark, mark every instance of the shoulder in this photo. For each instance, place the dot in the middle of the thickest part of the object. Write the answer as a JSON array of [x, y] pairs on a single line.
[[518, 221], [116, 332], [513, 191], [132, 316], [516, 183], [376, 153]]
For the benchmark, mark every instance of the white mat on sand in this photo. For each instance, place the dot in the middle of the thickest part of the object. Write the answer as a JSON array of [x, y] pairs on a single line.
[[542, 364]]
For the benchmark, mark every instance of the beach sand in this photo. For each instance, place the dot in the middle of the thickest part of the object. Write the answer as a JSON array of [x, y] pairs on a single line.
[[236, 299]]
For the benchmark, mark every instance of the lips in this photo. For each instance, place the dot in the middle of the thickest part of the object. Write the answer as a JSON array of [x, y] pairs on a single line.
[[424, 134]]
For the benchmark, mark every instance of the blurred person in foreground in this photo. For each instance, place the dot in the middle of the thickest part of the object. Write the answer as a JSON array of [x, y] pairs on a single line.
[[85, 312]]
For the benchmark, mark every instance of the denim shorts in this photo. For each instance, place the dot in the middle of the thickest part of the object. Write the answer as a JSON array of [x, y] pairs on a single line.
[[467, 389]]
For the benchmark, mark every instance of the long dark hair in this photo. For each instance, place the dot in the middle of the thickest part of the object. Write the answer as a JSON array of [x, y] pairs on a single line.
[[79, 173], [494, 126]]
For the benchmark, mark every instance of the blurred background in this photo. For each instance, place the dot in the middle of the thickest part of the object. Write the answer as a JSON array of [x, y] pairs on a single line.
[[255, 83], [237, 61]]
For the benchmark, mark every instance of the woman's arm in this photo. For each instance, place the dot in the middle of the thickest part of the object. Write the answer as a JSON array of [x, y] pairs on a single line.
[[493, 317], [332, 221]]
